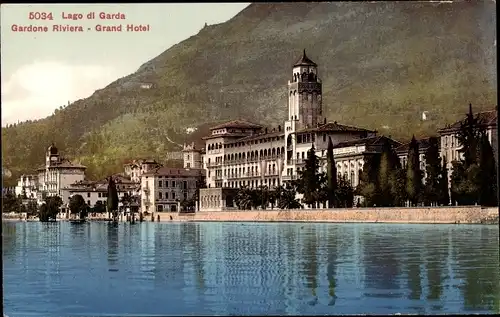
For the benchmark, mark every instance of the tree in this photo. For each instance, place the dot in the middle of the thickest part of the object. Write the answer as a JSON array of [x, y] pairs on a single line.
[[444, 191], [309, 182], [10, 203], [31, 207], [112, 202], [331, 175], [388, 163], [413, 173], [368, 185], [432, 190], [99, 207], [77, 206], [344, 193], [50, 208], [488, 194], [287, 199], [244, 198], [397, 182], [468, 138]]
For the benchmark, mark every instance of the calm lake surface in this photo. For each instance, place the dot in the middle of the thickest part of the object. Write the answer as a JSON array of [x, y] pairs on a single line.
[[97, 269]]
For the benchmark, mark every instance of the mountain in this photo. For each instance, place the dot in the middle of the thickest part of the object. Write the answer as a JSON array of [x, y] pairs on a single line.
[[382, 64]]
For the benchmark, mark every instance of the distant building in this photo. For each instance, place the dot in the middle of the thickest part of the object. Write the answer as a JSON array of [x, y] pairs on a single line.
[[94, 191], [57, 173], [27, 186], [423, 145], [136, 168], [449, 136], [163, 188], [192, 157]]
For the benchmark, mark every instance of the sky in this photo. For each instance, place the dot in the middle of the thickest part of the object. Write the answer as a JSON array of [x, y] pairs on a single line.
[[42, 71]]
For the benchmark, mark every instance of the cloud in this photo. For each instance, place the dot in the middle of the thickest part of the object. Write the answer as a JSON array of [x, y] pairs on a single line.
[[35, 90]]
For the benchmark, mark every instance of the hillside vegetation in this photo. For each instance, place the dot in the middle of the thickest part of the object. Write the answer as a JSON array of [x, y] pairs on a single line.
[[381, 63]]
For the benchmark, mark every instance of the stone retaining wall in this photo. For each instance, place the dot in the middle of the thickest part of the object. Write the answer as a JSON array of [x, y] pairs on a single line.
[[465, 214]]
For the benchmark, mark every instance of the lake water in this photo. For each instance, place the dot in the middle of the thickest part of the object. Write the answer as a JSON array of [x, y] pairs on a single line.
[[98, 269]]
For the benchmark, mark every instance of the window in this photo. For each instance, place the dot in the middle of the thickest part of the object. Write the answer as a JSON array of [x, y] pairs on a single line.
[[166, 195], [185, 185], [324, 137], [88, 195], [188, 157], [173, 183], [160, 183], [173, 195], [185, 196], [159, 208], [188, 165], [99, 195], [160, 196], [166, 183], [88, 201]]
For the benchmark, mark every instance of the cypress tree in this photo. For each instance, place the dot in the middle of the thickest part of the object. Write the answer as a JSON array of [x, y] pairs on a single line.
[[413, 173], [112, 200], [387, 166], [309, 183], [444, 190], [331, 175], [488, 195], [368, 185], [468, 137], [433, 169]]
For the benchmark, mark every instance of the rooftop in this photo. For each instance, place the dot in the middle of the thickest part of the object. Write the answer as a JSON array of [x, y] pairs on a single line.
[[172, 171], [485, 118], [242, 124], [335, 127], [304, 61], [376, 140], [423, 144]]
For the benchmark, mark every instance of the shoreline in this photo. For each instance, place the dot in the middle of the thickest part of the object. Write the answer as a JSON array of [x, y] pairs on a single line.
[[406, 215]]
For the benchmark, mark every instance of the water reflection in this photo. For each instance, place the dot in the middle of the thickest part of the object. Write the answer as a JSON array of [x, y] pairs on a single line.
[[234, 268], [112, 245]]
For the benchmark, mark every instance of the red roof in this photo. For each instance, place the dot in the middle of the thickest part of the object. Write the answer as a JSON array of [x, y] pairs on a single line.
[[335, 127], [485, 118]]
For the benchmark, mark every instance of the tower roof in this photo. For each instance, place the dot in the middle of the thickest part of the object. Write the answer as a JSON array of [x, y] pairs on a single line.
[[304, 61]]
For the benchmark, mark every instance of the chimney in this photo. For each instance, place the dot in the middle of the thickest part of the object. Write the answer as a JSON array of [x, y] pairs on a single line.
[[279, 128]]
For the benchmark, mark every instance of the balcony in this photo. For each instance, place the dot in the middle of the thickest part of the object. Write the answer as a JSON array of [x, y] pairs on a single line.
[[299, 161], [289, 177]]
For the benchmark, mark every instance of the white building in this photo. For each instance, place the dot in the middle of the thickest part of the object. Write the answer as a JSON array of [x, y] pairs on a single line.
[[94, 191], [449, 141], [240, 153], [57, 173], [27, 186], [163, 188], [136, 168]]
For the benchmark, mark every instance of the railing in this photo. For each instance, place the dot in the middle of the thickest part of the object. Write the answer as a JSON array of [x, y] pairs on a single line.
[[245, 160], [296, 161], [289, 177], [250, 175]]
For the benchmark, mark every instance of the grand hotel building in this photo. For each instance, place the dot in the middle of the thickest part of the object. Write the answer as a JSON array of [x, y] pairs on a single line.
[[239, 153]]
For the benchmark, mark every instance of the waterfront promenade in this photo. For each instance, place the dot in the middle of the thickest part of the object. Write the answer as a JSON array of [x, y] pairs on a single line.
[[428, 215]]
